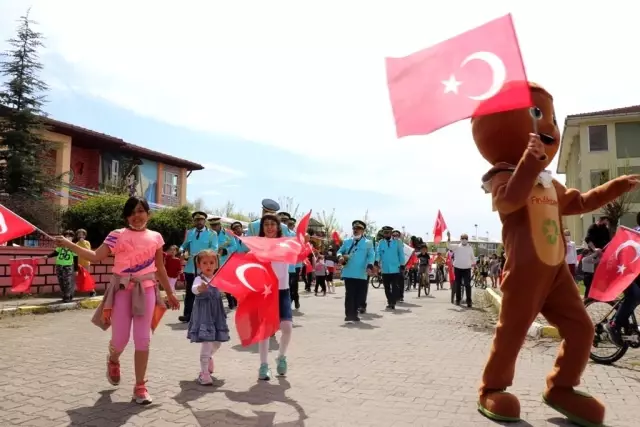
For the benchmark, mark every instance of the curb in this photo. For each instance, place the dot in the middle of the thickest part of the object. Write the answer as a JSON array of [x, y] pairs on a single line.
[[536, 331], [90, 303]]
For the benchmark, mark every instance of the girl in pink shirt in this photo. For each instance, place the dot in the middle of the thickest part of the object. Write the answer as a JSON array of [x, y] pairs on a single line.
[[131, 297]]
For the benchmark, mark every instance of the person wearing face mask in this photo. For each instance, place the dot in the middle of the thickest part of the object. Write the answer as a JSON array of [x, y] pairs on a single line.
[[198, 238], [390, 258], [66, 267], [357, 257], [463, 260], [572, 253]]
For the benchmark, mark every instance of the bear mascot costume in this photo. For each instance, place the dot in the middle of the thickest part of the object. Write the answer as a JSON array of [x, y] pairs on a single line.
[[537, 280]]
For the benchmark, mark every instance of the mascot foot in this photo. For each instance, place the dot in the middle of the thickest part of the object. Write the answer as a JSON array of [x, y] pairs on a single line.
[[499, 406], [579, 407]]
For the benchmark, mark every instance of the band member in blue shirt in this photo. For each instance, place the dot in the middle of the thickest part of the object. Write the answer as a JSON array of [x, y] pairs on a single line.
[[238, 232], [357, 256], [226, 246], [268, 207], [294, 269], [390, 259], [198, 238]]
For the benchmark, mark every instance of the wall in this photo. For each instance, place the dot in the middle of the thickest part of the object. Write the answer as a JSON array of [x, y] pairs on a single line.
[[45, 282], [62, 162], [85, 167], [148, 182]]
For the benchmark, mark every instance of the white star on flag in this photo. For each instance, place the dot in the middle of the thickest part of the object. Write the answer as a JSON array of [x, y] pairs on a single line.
[[621, 269], [267, 291], [451, 85]]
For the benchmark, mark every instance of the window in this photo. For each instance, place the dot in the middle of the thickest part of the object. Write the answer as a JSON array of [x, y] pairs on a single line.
[[114, 177], [598, 138], [170, 184], [627, 139], [634, 196], [599, 177]]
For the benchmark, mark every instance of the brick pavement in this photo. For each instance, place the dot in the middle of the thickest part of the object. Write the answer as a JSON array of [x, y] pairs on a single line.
[[416, 367]]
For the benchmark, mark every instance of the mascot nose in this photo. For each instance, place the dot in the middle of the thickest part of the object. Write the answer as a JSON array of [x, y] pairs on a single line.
[[547, 139]]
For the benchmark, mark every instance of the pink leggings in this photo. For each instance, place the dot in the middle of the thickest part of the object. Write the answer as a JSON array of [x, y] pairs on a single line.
[[122, 318]]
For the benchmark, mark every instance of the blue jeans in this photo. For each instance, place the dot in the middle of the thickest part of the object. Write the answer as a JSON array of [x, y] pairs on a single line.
[[631, 301]]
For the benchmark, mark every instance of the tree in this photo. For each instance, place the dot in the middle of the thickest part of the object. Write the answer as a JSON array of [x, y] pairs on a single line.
[[197, 205], [288, 204], [229, 211], [372, 228], [622, 204], [24, 157], [329, 221]]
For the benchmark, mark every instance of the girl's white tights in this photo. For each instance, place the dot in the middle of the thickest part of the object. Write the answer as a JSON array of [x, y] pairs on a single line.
[[286, 327], [206, 353]]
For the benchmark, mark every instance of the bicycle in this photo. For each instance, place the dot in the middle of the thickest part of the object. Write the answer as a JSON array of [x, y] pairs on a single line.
[[425, 284], [477, 280], [376, 281], [630, 334], [439, 278]]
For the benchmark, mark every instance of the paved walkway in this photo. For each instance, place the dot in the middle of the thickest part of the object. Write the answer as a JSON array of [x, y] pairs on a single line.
[[416, 367]]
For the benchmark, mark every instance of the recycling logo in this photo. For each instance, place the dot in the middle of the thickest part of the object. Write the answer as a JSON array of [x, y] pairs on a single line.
[[551, 231]]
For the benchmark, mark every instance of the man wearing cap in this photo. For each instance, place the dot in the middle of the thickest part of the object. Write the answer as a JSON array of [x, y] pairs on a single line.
[[268, 207], [294, 269], [390, 258], [238, 232], [226, 246], [463, 261], [357, 256], [198, 238]]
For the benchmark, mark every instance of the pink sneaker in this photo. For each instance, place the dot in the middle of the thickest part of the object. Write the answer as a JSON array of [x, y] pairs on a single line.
[[211, 365], [113, 372], [204, 379], [141, 395]]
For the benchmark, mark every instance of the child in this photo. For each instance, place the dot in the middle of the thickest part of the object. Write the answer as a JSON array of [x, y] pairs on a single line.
[[589, 260], [81, 240], [131, 296], [494, 270], [321, 272], [173, 265], [331, 267], [66, 267], [208, 322]]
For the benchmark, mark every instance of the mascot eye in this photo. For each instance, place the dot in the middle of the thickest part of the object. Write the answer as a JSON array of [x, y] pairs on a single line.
[[536, 113]]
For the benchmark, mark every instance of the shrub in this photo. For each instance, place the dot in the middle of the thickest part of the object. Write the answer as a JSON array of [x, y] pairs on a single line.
[[171, 223], [99, 215]]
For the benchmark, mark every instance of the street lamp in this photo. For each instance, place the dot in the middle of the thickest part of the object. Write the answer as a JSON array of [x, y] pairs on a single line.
[[476, 226]]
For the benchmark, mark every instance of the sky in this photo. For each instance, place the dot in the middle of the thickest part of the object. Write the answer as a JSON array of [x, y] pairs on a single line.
[[289, 98]]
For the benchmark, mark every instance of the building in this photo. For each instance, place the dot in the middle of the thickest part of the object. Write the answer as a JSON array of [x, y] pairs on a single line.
[[481, 245], [596, 147], [90, 162]]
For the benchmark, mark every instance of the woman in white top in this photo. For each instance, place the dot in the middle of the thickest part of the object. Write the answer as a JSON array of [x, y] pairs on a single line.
[[270, 228]]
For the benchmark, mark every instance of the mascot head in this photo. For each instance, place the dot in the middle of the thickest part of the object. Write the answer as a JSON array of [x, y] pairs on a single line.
[[503, 137]]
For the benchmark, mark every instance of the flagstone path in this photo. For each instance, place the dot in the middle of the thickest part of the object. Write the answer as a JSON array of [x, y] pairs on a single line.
[[417, 367]]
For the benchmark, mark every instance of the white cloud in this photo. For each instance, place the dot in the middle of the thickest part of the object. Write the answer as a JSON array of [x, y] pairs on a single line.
[[308, 77], [210, 193]]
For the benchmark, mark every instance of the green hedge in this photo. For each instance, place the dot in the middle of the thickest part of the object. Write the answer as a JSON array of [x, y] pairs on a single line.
[[100, 215]]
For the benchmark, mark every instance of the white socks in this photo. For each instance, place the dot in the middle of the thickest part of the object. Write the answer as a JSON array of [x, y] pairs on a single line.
[[207, 350]]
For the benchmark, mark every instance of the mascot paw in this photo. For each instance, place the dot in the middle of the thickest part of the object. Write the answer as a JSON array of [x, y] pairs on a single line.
[[579, 407], [499, 406]]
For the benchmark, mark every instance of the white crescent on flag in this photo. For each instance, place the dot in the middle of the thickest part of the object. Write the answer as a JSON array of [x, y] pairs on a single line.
[[240, 273], [3, 224]]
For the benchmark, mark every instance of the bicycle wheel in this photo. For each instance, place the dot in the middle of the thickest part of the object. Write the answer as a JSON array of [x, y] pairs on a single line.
[[601, 313], [427, 287], [376, 281]]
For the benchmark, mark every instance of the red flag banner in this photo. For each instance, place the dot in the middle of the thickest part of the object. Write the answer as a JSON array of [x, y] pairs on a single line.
[[13, 226], [458, 78], [619, 266], [84, 280], [336, 238], [22, 273], [255, 285], [438, 228]]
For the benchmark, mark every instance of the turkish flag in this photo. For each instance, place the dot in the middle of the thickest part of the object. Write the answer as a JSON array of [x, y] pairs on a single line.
[[12, 225], [452, 276], [619, 266], [458, 78], [336, 237], [84, 280], [413, 259], [255, 285], [22, 273], [438, 228]]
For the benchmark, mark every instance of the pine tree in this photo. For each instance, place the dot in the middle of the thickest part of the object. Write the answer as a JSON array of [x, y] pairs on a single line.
[[23, 150]]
